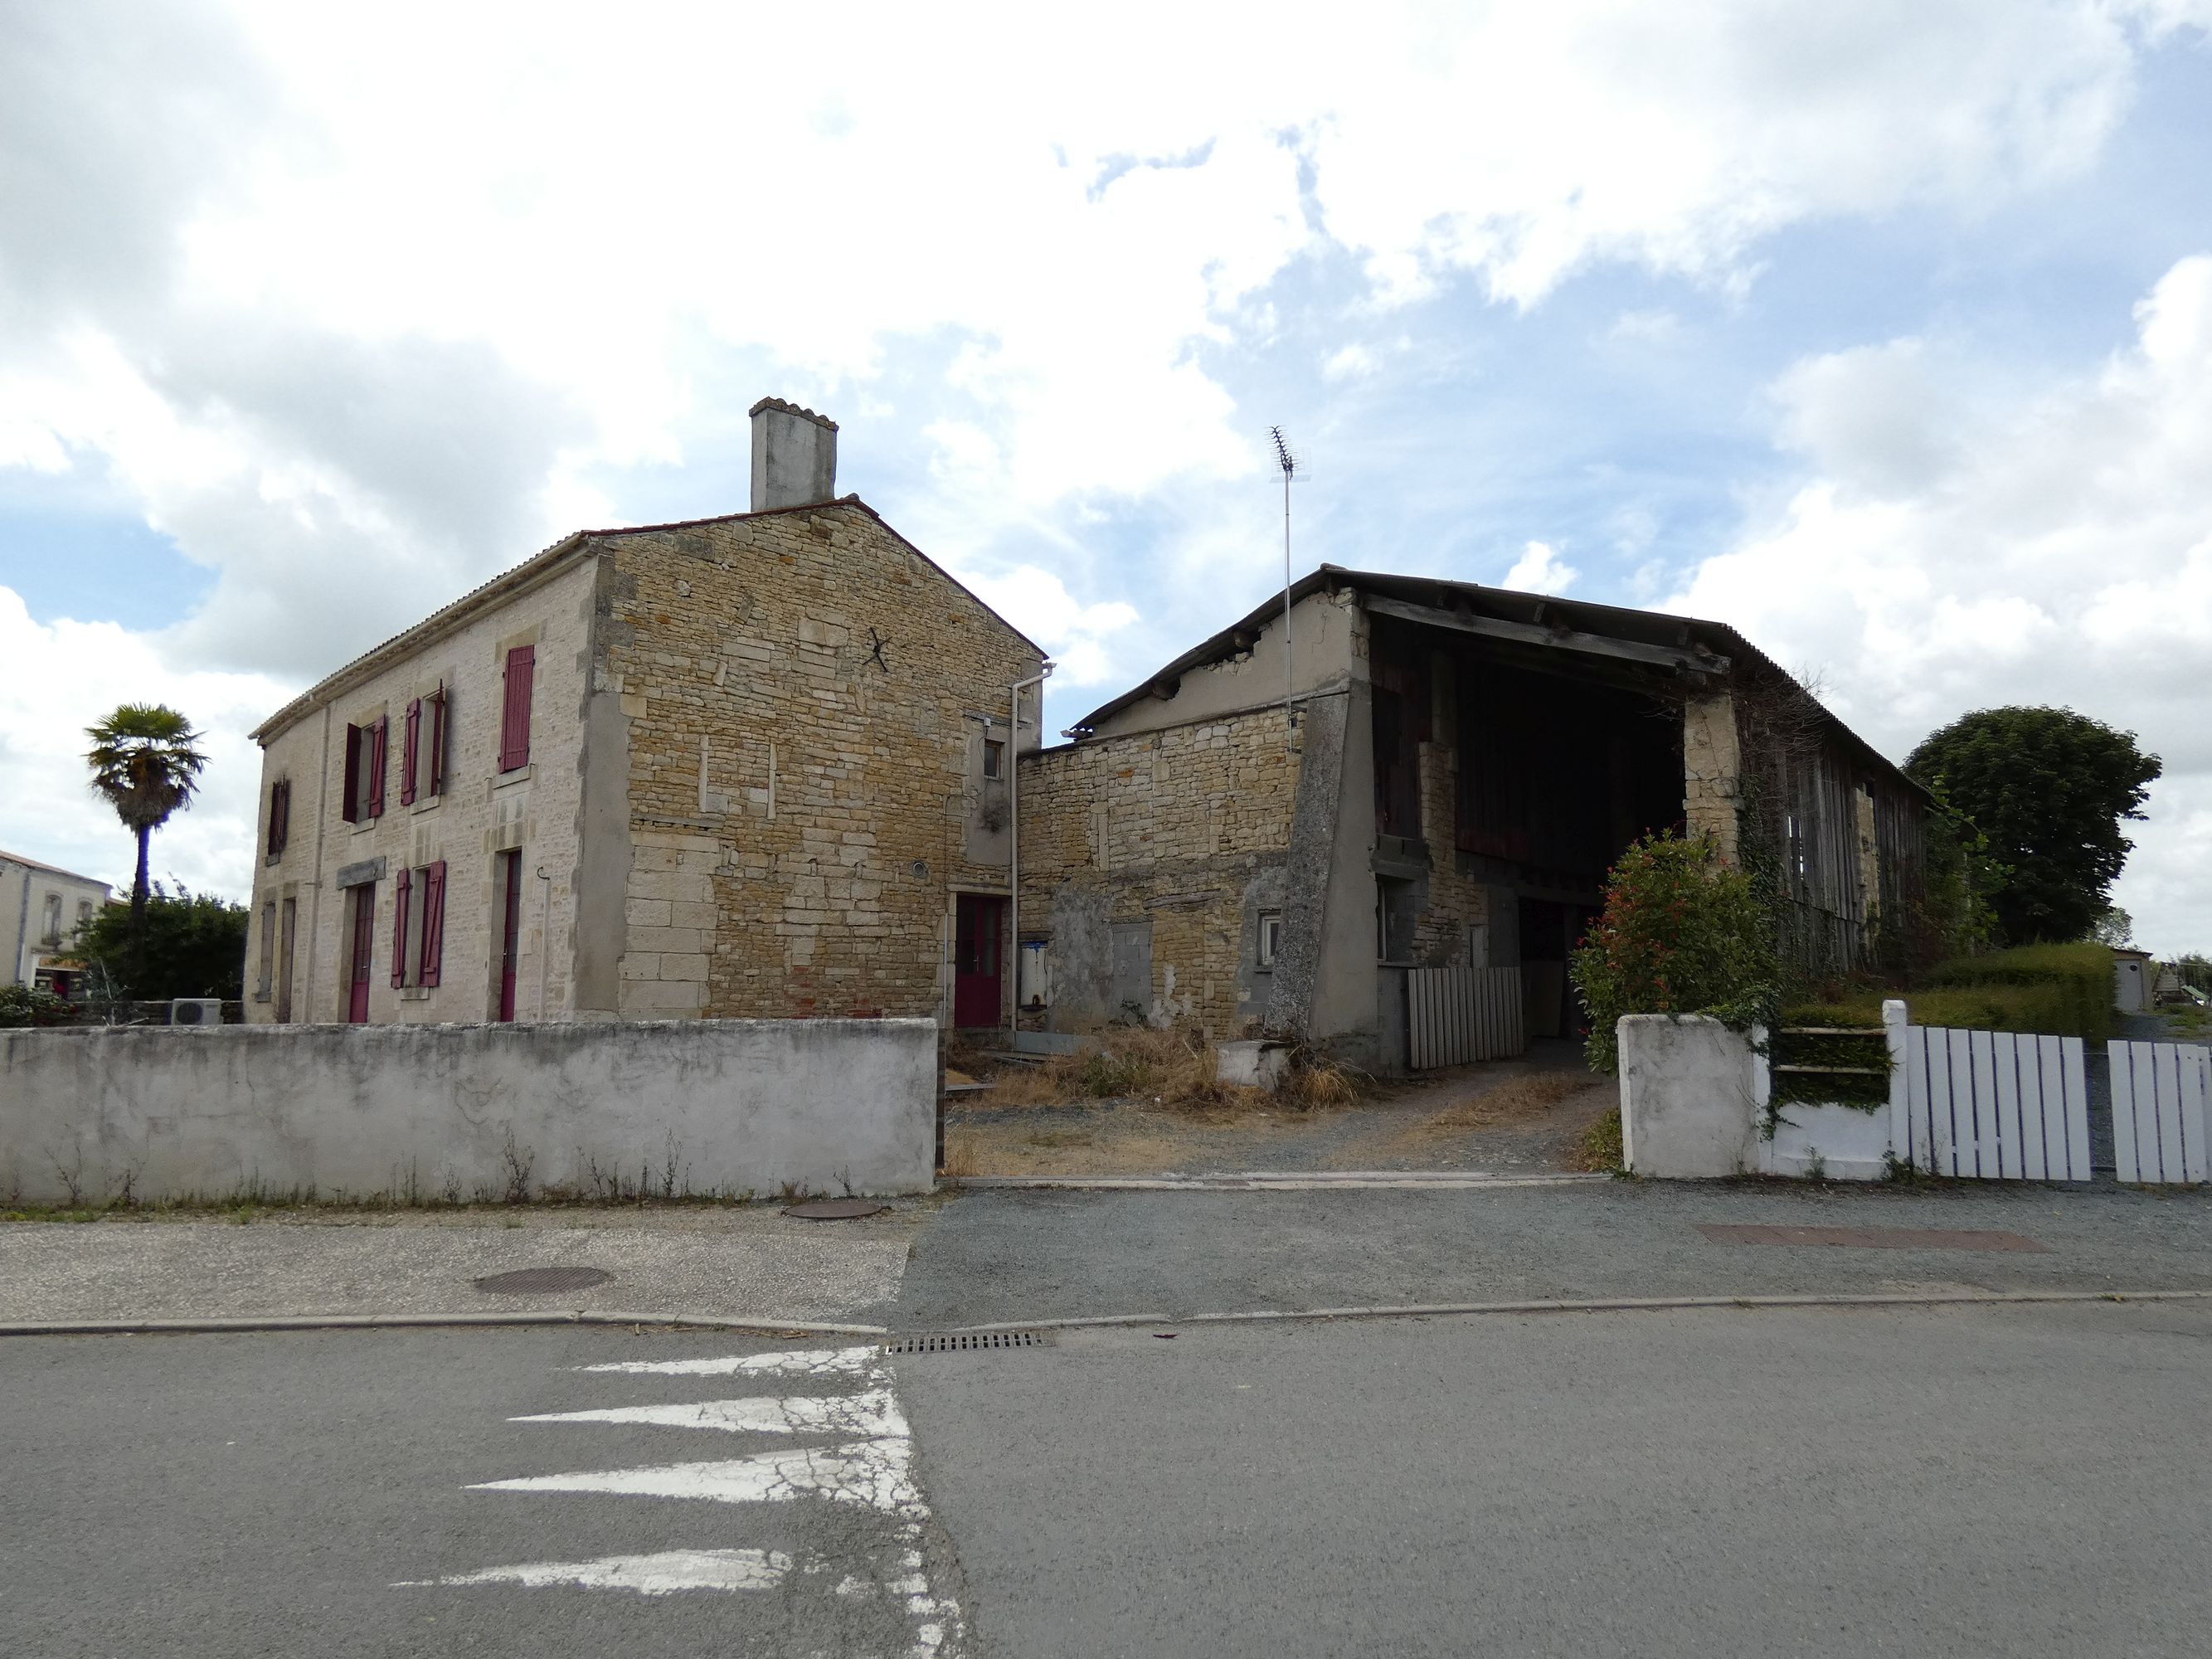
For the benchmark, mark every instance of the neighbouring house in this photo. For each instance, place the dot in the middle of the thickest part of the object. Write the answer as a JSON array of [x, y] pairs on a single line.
[[747, 765], [1434, 775], [41, 909]]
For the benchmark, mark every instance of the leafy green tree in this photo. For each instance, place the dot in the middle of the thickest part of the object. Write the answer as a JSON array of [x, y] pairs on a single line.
[[2049, 789], [190, 945], [145, 765], [1682, 933], [2116, 928]]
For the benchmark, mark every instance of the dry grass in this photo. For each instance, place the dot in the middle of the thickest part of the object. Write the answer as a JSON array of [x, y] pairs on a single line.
[[1600, 1149], [1173, 1068], [1517, 1100]]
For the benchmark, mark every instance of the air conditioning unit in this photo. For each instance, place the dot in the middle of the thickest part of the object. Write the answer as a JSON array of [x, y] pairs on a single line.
[[195, 1010]]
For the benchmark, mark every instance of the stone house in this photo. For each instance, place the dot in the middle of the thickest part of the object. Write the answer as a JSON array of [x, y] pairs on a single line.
[[1435, 775], [747, 766], [41, 909]]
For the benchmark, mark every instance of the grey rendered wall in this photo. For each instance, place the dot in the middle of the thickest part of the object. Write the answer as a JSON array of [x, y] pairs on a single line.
[[1326, 637], [456, 1111], [1686, 1104]]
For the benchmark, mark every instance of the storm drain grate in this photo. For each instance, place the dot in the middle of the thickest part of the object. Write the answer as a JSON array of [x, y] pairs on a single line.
[[536, 1281], [960, 1341]]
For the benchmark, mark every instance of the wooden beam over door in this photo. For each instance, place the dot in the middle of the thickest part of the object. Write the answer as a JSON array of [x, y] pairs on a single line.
[[1692, 660]]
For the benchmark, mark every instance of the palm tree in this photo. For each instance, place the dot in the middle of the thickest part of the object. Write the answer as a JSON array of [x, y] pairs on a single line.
[[144, 765]]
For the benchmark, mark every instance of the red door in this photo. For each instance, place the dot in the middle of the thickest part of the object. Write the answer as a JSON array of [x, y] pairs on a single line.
[[510, 948], [977, 922], [364, 945]]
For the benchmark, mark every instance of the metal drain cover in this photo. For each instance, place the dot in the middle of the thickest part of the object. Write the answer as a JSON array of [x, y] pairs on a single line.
[[536, 1281], [962, 1341], [834, 1209]]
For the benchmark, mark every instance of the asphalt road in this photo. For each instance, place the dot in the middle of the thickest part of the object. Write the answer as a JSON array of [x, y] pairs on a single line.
[[1002, 1255], [2021, 1480]]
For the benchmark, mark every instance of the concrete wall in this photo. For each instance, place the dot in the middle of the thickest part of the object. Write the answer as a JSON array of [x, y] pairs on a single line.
[[1686, 1107], [467, 1111]]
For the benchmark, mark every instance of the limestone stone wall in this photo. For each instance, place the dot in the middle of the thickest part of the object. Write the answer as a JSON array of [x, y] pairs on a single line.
[[800, 700], [1174, 839], [1712, 769], [1452, 901], [479, 812]]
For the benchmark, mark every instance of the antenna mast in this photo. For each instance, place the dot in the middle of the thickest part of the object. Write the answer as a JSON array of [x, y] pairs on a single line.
[[1289, 465]]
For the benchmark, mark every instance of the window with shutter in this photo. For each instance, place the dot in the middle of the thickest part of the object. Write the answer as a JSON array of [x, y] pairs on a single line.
[[410, 751], [379, 740], [280, 817], [434, 921], [434, 781], [399, 928], [350, 803], [515, 717]]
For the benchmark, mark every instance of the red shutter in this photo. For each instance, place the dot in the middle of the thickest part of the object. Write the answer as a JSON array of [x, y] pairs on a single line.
[[408, 747], [435, 784], [434, 921], [514, 717], [399, 928], [349, 808], [380, 739]]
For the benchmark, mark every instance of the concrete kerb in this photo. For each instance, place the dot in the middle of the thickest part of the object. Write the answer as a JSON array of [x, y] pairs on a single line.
[[1274, 1181], [1262, 1316]]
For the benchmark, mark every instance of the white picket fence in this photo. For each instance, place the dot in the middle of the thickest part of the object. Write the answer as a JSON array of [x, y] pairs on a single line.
[[1996, 1105], [1455, 1016], [2159, 1092]]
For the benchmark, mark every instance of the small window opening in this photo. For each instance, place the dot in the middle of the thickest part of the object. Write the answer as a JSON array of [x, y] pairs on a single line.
[[1271, 937], [994, 758]]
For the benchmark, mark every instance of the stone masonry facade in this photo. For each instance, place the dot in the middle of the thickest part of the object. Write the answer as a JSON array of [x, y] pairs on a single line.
[[803, 704], [1171, 843]]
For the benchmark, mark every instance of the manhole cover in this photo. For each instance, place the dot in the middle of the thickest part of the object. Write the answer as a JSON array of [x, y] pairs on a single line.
[[533, 1281], [836, 1209]]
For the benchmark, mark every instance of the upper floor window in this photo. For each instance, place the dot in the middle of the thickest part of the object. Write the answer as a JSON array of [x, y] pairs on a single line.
[[280, 818], [514, 715], [364, 771], [994, 758], [50, 929]]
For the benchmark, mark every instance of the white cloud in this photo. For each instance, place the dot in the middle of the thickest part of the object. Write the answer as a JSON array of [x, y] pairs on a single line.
[[1539, 569], [359, 315], [1074, 634], [62, 679], [1958, 546]]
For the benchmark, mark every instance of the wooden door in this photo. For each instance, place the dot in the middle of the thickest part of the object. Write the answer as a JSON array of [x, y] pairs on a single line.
[[364, 945], [977, 959], [510, 949]]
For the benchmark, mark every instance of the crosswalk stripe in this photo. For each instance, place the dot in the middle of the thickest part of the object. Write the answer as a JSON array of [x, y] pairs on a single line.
[[803, 1362], [871, 1472], [661, 1574], [868, 1416]]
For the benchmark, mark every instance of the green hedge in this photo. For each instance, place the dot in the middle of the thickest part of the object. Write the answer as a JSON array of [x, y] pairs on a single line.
[[1864, 1051], [2065, 989]]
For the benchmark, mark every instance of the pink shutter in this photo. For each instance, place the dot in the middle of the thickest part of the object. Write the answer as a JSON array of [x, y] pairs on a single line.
[[349, 808], [380, 739], [399, 928], [409, 747], [434, 921], [435, 784], [514, 716]]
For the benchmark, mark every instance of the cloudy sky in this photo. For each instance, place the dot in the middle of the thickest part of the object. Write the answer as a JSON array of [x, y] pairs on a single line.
[[1883, 331]]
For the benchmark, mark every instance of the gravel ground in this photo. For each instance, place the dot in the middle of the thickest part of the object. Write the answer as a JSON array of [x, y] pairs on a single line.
[[1397, 1129], [741, 1264]]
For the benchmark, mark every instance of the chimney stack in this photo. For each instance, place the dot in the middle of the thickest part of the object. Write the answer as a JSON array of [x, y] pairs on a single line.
[[794, 456]]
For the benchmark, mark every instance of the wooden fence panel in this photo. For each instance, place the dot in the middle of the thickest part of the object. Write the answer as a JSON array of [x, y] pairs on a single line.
[[1996, 1105], [2158, 1094]]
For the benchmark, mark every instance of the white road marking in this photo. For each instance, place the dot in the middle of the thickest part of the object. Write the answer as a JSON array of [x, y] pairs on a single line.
[[868, 1416], [805, 1362], [870, 1466], [871, 1472], [663, 1574]]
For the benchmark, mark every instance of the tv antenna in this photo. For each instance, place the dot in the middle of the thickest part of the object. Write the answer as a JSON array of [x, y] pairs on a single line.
[[1289, 465]]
